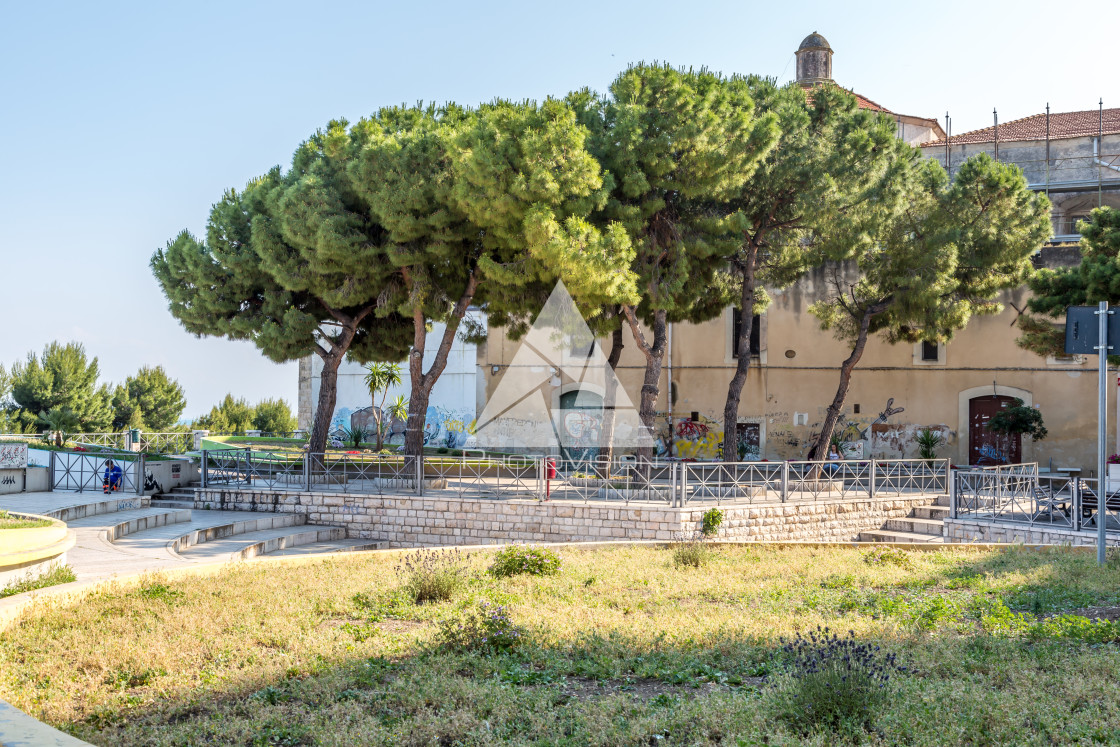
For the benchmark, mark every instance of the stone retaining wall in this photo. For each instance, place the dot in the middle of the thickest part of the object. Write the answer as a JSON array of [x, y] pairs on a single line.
[[974, 530], [412, 521]]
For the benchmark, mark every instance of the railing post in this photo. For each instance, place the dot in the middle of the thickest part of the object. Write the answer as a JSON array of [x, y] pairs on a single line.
[[1075, 491], [952, 496], [785, 480], [871, 481], [139, 476], [683, 495], [50, 472], [420, 474], [202, 472], [307, 471]]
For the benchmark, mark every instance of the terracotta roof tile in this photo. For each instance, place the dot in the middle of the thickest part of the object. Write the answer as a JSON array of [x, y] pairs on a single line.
[[1062, 125]]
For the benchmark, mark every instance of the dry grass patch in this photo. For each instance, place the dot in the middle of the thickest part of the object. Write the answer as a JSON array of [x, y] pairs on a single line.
[[621, 646]]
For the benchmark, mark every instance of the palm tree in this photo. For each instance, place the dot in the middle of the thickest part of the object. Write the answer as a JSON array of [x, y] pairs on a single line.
[[398, 409], [379, 378], [59, 420]]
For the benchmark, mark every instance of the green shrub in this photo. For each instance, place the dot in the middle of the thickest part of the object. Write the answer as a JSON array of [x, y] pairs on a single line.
[[432, 575], [487, 628], [710, 522], [535, 561], [888, 556], [691, 553], [831, 683]]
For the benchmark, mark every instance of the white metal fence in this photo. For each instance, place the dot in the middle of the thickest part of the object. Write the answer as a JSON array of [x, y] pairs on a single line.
[[1017, 493], [624, 479]]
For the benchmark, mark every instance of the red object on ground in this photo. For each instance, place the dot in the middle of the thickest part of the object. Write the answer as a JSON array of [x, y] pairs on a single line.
[[549, 474]]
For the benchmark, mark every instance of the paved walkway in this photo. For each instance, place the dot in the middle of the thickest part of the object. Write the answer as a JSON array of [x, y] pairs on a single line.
[[94, 557]]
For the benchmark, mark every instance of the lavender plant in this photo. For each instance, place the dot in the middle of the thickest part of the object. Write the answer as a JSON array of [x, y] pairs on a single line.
[[432, 575], [488, 628], [535, 561], [831, 682]]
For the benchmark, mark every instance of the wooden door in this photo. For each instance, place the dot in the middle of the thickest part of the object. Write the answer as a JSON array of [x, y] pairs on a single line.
[[984, 446]]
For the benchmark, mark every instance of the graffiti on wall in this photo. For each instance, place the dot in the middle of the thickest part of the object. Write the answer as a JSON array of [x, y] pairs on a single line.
[[443, 427], [13, 456]]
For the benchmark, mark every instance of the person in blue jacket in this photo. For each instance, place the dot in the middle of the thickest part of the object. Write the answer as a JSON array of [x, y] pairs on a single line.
[[113, 476]]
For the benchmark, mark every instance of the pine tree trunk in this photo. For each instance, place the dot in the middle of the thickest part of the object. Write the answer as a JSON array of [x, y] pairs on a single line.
[[422, 383], [742, 364], [820, 448], [328, 395], [417, 414], [655, 355], [610, 395]]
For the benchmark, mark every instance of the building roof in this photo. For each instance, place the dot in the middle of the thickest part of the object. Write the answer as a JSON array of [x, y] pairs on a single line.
[[1062, 125], [814, 41]]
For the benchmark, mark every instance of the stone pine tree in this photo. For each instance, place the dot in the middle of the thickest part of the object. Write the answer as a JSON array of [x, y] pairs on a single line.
[[294, 264], [677, 144], [151, 400], [941, 260], [484, 208], [63, 377], [834, 164], [1096, 278]]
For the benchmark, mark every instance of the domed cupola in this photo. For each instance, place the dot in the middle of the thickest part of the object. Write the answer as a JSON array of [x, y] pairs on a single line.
[[814, 60]]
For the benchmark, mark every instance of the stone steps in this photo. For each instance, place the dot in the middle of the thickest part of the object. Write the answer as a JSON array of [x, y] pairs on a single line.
[[888, 535], [131, 522], [167, 503], [253, 544], [915, 525], [342, 545], [931, 512]]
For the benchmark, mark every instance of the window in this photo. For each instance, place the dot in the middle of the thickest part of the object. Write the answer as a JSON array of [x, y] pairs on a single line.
[[756, 333], [929, 354]]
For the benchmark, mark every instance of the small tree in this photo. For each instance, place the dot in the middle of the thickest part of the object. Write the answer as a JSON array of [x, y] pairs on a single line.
[[1026, 421], [273, 416], [379, 377], [59, 421], [229, 416], [936, 264], [62, 377], [151, 400]]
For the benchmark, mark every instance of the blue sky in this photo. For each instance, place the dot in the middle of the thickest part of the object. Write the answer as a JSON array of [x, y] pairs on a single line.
[[123, 122]]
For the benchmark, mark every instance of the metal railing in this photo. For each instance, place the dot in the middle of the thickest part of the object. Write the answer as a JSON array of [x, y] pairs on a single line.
[[625, 479], [1017, 493], [166, 443], [77, 472]]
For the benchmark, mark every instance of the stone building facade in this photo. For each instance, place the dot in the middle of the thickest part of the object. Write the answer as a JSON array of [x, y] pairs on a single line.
[[1074, 157]]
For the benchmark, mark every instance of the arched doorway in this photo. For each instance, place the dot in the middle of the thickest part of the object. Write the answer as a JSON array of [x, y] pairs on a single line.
[[984, 446]]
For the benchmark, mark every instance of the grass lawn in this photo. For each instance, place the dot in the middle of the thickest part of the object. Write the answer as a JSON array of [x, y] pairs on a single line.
[[8, 521], [622, 646]]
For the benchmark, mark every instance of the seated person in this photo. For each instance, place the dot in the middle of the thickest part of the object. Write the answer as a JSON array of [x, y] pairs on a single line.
[[833, 456], [114, 476]]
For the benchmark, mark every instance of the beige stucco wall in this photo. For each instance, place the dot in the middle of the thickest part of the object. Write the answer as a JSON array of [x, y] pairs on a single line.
[[788, 395]]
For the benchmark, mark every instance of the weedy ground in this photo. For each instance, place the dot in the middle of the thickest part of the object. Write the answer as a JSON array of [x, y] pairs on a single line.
[[622, 646]]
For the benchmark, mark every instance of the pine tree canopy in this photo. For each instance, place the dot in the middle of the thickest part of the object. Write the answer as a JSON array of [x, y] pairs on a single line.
[[1095, 279], [63, 378], [150, 400]]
